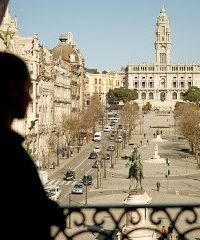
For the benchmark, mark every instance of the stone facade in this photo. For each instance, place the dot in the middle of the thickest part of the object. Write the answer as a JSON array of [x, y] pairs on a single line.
[[161, 83], [57, 88], [100, 83]]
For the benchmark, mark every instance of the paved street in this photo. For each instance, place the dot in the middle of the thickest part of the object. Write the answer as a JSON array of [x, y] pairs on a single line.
[[182, 185]]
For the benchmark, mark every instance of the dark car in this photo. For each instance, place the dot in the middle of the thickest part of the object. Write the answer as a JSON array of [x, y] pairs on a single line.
[[97, 163], [69, 175], [111, 148], [106, 156], [93, 155], [87, 179]]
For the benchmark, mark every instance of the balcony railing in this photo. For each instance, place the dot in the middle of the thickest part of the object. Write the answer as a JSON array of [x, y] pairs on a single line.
[[130, 222]]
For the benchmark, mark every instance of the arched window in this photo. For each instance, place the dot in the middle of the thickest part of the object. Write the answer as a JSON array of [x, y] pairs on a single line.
[[143, 96], [181, 95], [150, 95], [162, 96], [174, 95]]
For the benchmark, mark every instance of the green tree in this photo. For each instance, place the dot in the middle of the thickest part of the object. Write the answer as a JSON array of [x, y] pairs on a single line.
[[122, 94], [192, 95], [147, 107]]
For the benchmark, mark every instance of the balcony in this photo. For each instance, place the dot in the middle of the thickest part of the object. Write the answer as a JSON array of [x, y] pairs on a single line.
[[130, 222]]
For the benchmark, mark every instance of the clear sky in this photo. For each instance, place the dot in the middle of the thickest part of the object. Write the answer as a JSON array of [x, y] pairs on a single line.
[[112, 33]]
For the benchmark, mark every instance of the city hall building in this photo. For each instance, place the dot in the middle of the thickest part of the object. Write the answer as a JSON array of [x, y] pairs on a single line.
[[161, 83]]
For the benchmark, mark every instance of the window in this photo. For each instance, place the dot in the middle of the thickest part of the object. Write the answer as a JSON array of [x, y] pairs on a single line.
[[143, 96], [181, 95], [174, 95], [151, 84], [162, 96], [174, 84], [162, 58], [182, 84], [143, 84], [95, 81], [189, 84], [150, 95]]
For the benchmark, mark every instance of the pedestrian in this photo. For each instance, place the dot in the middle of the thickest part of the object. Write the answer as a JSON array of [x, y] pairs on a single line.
[[158, 186], [163, 235], [147, 141], [141, 142], [144, 135], [170, 231], [36, 211], [154, 135]]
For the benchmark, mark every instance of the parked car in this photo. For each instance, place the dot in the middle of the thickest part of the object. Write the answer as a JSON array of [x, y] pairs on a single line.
[[87, 179], [53, 192], [93, 155], [78, 188], [69, 175], [97, 149], [97, 163]]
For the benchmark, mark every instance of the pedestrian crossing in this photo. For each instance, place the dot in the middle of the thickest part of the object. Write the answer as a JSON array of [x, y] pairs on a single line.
[[61, 182]]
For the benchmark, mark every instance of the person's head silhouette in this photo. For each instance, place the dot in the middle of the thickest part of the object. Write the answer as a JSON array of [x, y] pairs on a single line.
[[14, 88]]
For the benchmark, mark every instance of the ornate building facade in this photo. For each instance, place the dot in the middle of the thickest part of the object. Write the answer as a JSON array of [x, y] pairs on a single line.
[[161, 83], [57, 88], [100, 83]]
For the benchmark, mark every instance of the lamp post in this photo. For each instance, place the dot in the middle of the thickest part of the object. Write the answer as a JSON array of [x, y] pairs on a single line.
[[104, 167], [98, 182], [86, 190], [69, 218], [111, 160]]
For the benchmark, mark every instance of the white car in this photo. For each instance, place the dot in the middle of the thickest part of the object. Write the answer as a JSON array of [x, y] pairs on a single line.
[[97, 149], [78, 188], [53, 192], [119, 139]]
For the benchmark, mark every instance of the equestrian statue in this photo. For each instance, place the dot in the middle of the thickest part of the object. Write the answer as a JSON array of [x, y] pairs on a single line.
[[135, 171]]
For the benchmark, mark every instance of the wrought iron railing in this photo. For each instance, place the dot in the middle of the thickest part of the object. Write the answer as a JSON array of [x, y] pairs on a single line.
[[130, 222]]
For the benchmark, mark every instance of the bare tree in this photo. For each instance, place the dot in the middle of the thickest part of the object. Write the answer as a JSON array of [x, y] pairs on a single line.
[[188, 123], [129, 115]]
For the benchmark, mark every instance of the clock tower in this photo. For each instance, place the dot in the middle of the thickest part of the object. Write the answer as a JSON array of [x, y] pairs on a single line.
[[163, 42]]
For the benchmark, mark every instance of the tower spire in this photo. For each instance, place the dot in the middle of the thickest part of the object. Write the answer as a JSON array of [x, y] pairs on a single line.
[[163, 42]]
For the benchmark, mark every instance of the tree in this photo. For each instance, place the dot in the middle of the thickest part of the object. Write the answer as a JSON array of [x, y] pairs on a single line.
[[187, 116], [192, 95], [147, 107], [121, 94], [129, 114]]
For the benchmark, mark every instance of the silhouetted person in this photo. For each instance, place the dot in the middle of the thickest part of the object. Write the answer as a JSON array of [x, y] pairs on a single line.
[[26, 211]]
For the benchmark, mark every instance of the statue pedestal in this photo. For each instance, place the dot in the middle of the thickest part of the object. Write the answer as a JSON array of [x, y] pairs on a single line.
[[137, 220]]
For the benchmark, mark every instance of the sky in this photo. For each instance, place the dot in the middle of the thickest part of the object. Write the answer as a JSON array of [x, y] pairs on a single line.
[[112, 33]]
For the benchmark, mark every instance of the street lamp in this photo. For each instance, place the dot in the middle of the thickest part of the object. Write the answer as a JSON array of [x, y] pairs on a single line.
[[69, 217], [111, 160], [98, 182], [86, 190]]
